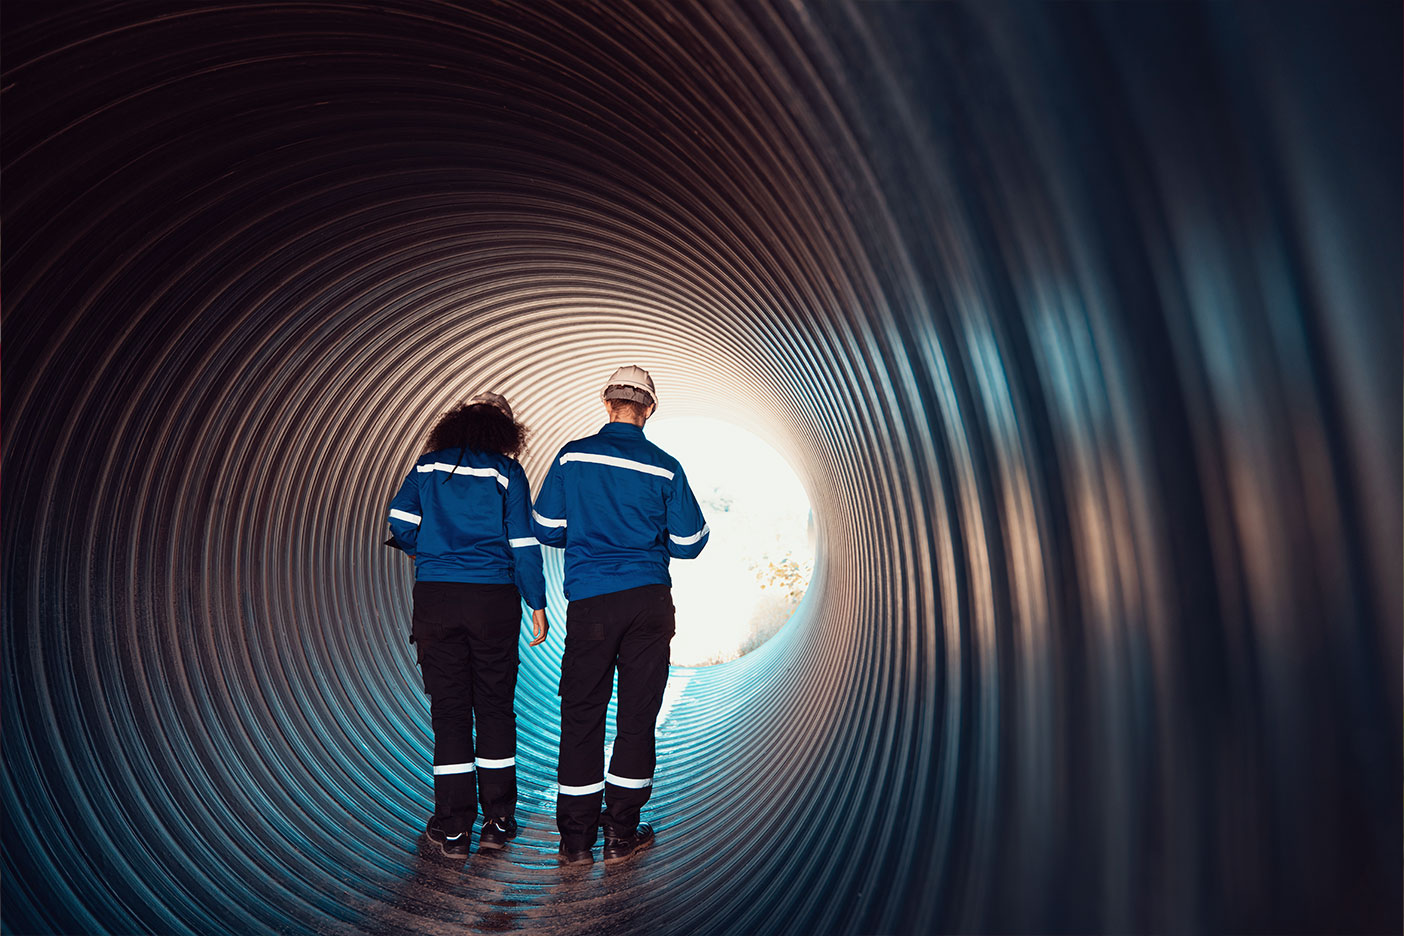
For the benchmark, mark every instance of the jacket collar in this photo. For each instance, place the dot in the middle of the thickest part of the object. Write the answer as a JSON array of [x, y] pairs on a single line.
[[622, 429]]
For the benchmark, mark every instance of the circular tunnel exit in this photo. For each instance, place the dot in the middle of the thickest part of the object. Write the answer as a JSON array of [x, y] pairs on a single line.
[[1072, 321], [760, 558]]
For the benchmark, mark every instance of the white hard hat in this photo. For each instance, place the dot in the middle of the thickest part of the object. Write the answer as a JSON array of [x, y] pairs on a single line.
[[630, 383], [494, 399]]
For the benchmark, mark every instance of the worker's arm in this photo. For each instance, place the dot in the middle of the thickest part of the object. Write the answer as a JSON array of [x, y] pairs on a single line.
[[526, 549], [548, 514], [687, 528], [405, 514]]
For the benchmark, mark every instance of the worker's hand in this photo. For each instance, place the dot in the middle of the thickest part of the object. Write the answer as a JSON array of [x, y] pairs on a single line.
[[539, 627]]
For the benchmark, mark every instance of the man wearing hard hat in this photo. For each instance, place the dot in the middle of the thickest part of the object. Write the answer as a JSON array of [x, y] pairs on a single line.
[[621, 508]]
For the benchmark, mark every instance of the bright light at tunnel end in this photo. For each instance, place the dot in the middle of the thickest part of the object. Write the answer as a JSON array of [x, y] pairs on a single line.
[[750, 579]]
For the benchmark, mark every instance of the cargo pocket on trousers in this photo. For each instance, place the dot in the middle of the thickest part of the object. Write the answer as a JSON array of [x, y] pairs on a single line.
[[664, 615], [583, 626], [433, 611], [583, 623]]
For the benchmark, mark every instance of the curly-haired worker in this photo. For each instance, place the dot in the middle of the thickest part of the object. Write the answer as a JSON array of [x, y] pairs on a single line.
[[463, 513], [621, 507]]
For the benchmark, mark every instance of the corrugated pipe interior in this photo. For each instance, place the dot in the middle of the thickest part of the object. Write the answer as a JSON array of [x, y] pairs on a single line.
[[1080, 324]]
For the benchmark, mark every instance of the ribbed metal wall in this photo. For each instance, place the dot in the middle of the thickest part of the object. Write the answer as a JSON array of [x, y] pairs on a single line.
[[1081, 325]]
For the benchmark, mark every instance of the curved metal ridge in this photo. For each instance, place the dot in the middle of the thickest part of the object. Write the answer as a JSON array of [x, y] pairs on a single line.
[[1079, 323]]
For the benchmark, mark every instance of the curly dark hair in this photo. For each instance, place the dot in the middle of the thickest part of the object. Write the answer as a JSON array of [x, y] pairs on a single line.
[[481, 427]]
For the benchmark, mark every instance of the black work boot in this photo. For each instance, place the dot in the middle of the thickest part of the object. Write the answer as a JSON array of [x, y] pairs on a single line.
[[622, 846], [569, 857], [496, 832], [453, 846]]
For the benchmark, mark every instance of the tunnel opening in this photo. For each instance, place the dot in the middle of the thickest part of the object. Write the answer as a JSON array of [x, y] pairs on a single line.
[[752, 577]]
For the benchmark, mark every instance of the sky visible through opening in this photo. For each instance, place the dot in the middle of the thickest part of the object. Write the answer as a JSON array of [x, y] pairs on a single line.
[[753, 573]]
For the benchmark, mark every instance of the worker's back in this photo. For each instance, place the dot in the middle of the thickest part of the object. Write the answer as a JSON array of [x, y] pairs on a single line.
[[621, 507]]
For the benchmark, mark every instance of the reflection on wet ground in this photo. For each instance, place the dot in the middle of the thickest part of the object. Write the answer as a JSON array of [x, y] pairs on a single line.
[[521, 888]]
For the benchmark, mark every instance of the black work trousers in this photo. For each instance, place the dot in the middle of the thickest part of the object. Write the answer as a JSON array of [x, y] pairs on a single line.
[[466, 635], [629, 630]]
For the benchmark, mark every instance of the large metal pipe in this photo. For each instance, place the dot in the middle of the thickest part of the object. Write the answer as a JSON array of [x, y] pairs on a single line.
[[1080, 324]]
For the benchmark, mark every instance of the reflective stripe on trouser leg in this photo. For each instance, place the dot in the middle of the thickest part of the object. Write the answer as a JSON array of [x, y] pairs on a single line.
[[497, 786], [455, 778], [494, 630], [643, 676], [455, 796], [578, 813], [444, 658], [587, 679]]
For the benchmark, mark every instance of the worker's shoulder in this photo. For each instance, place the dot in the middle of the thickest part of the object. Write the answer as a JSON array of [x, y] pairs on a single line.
[[662, 458], [428, 460], [585, 444]]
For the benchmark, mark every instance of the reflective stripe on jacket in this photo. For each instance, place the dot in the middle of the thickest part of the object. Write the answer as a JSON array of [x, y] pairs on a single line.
[[620, 506], [466, 517]]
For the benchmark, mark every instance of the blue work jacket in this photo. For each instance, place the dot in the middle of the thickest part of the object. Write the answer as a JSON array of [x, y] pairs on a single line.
[[466, 517], [620, 506]]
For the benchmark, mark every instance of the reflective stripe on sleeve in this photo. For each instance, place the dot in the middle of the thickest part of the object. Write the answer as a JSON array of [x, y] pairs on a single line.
[[440, 769], [548, 521], [689, 540], [616, 462], [629, 782], [462, 470], [581, 790], [405, 515], [523, 541], [489, 763]]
